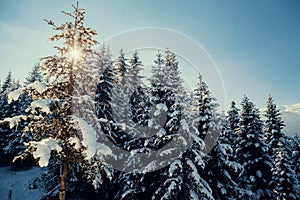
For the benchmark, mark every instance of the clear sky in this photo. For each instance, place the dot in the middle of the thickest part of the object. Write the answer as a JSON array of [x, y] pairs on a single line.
[[255, 44]]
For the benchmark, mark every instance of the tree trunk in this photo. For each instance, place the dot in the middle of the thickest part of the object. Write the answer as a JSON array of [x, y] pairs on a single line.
[[63, 181]]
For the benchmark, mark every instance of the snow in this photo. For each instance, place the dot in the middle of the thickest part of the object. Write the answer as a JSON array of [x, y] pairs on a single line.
[[161, 132], [123, 126], [258, 173], [38, 86], [160, 107], [152, 166], [193, 195], [194, 171], [256, 144], [167, 152], [175, 165], [43, 104], [18, 182], [102, 120], [43, 150], [156, 113], [103, 149], [171, 187], [185, 125], [127, 192], [84, 98], [109, 172], [14, 95], [89, 140], [223, 191], [76, 142], [14, 121]]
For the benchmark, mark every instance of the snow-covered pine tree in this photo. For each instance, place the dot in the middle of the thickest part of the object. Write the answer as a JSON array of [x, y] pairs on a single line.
[[157, 88], [132, 110], [6, 84], [54, 126], [175, 100], [207, 120], [273, 134], [252, 153], [296, 157], [104, 87], [120, 105], [232, 124], [116, 120], [172, 187], [183, 179], [284, 176], [120, 65], [34, 75], [273, 127], [5, 111], [138, 102], [12, 139], [222, 171], [166, 96], [111, 101]]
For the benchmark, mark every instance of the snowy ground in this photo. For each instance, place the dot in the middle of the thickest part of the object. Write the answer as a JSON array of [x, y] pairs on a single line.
[[20, 182]]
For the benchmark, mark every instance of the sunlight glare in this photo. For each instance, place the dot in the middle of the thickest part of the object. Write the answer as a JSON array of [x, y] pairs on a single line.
[[75, 54]]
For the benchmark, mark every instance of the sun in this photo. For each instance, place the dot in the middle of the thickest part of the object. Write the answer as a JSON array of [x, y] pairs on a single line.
[[75, 54]]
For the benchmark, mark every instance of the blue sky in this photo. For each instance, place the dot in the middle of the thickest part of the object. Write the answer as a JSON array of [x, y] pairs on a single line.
[[255, 44]]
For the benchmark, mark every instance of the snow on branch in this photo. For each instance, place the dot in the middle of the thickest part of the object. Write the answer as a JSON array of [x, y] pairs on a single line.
[[14, 121], [38, 86], [89, 140], [43, 150], [14, 95], [43, 104], [103, 150]]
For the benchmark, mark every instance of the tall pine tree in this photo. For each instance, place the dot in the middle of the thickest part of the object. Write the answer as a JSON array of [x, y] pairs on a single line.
[[251, 152], [51, 117]]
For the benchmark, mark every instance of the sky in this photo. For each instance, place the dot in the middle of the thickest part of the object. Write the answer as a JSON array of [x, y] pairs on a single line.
[[255, 44]]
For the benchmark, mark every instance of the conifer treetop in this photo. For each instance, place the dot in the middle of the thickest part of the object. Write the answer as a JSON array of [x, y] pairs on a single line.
[[77, 43]]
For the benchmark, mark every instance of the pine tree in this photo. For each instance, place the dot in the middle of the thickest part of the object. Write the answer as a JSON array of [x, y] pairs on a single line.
[[251, 152], [296, 157], [54, 126], [284, 176], [171, 188], [273, 127], [120, 104], [183, 178], [34, 75], [222, 171], [120, 65], [12, 140], [166, 96], [138, 99], [158, 91], [232, 124], [5, 111], [273, 132], [6, 86], [160, 101], [207, 120], [105, 85]]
